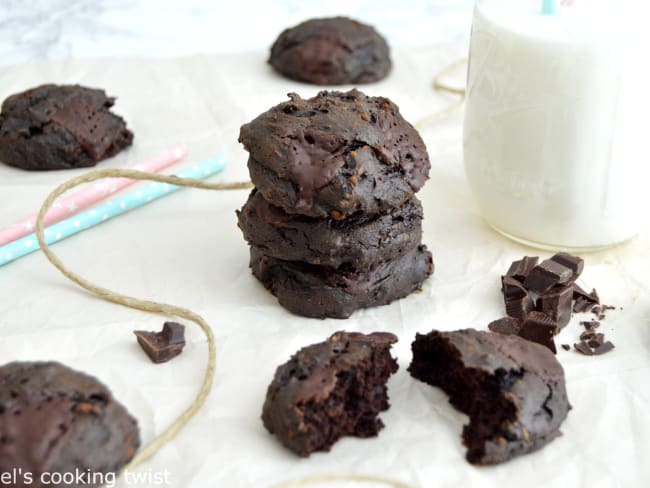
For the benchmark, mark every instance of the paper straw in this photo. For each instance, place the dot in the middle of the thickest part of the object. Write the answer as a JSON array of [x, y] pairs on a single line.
[[106, 211], [91, 195], [549, 7]]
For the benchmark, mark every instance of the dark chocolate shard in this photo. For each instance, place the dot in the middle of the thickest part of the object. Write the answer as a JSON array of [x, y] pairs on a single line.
[[580, 294], [556, 303], [546, 275], [596, 340], [174, 332], [505, 325], [574, 263], [604, 348], [590, 324], [517, 300], [582, 305], [165, 345], [540, 328], [586, 335], [519, 269], [566, 347], [583, 348]]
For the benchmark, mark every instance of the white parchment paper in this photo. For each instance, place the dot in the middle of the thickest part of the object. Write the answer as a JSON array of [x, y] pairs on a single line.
[[187, 250]]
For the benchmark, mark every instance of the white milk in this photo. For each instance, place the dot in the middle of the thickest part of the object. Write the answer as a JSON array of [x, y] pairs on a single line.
[[557, 123]]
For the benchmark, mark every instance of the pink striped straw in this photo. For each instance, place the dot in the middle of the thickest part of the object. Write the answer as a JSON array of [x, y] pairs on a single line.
[[88, 196]]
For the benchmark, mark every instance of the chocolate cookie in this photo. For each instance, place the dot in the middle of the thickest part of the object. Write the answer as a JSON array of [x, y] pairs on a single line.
[[335, 154], [322, 291], [513, 390], [57, 420], [361, 240], [329, 390], [60, 127], [332, 51]]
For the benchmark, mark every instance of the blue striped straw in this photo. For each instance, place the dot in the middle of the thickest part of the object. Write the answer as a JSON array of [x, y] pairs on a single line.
[[549, 7], [113, 208]]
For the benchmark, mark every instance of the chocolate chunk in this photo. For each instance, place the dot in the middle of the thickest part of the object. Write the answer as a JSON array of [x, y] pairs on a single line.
[[505, 325], [595, 346], [590, 324], [174, 333], [517, 300], [586, 335], [604, 348], [596, 340], [574, 263], [582, 305], [556, 303], [519, 269], [165, 345], [580, 293], [540, 328], [566, 347], [583, 348], [546, 275]]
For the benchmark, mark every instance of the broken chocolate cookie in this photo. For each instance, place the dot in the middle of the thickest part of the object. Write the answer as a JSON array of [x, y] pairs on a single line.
[[513, 390], [329, 390]]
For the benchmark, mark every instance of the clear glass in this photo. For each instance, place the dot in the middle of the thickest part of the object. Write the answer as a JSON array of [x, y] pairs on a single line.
[[552, 132]]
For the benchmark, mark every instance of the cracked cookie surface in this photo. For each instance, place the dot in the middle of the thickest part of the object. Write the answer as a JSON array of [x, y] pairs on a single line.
[[334, 155], [53, 127]]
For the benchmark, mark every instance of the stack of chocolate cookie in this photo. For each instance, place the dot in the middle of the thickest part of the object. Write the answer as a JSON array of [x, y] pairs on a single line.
[[333, 223]]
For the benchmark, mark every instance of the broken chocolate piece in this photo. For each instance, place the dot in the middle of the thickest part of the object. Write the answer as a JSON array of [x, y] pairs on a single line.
[[546, 275], [556, 303], [603, 348], [574, 263], [519, 269], [583, 348], [517, 300], [595, 346], [582, 305], [566, 347], [579, 294], [165, 345], [586, 335], [590, 324], [505, 325], [596, 340], [174, 332], [540, 328]]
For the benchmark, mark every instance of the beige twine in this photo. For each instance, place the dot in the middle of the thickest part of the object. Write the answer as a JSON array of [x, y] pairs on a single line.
[[440, 85], [145, 305], [150, 306]]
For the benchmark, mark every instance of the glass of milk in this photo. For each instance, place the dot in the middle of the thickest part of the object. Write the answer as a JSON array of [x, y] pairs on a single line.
[[556, 123]]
